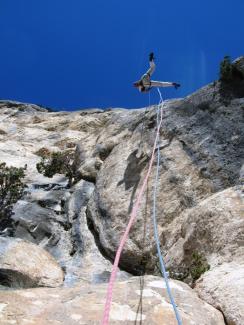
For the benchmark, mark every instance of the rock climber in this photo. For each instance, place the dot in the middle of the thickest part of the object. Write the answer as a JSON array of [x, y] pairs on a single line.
[[145, 84]]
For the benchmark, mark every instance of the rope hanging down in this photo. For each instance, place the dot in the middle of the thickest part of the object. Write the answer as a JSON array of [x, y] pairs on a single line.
[[125, 235], [154, 216], [108, 303]]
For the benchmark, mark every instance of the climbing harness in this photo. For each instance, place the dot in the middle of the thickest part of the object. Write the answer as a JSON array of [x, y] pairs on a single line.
[[109, 295]]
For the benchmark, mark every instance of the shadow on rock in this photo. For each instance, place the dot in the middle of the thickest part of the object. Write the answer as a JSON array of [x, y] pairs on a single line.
[[132, 174]]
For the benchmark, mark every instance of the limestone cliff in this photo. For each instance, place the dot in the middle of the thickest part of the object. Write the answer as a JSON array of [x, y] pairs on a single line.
[[200, 207]]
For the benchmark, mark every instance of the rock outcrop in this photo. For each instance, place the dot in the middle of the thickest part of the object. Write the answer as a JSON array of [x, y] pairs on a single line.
[[24, 265], [201, 154], [199, 203], [223, 288], [50, 214], [214, 228], [84, 305]]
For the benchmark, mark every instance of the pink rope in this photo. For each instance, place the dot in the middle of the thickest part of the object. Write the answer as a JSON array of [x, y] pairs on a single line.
[[108, 303]]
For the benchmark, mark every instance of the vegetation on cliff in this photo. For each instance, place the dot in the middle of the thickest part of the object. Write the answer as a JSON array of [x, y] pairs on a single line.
[[57, 163], [11, 190]]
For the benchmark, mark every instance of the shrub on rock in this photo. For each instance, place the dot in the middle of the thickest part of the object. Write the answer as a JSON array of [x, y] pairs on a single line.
[[11, 190], [226, 69], [57, 163]]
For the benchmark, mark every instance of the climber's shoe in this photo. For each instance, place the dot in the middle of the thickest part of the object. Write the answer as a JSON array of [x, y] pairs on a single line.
[[151, 56], [176, 85]]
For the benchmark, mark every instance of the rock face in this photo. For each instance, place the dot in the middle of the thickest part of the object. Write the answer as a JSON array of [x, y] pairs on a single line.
[[23, 264], [213, 228], [200, 212], [201, 154], [84, 305], [50, 214], [223, 288], [199, 207]]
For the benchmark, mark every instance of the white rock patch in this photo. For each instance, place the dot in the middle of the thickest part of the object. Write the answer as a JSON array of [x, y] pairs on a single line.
[[151, 293], [28, 321], [27, 294], [145, 293], [123, 313], [37, 303], [76, 316], [161, 284], [2, 306]]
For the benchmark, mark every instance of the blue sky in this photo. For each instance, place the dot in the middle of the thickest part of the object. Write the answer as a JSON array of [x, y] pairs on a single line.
[[76, 54]]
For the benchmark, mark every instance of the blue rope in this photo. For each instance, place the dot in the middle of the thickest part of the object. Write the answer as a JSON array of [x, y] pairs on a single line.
[[155, 190]]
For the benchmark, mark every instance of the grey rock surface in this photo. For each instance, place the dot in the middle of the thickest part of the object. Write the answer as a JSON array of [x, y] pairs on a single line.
[[199, 207], [50, 214], [24, 265], [84, 305], [201, 154], [223, 288], [214, 228]]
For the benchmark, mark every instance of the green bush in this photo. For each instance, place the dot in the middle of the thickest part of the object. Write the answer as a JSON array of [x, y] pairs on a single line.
[[198, 266], [57, 163], [226, 70], [191, 273], [11, 189]]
